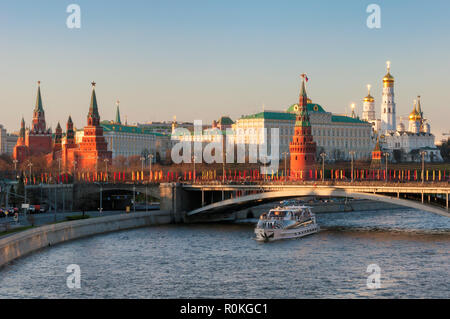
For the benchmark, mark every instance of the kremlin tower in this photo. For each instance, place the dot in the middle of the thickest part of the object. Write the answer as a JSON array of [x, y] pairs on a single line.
[[302, 148], [377, 155], [93, 148], [20, 152], [388, 104], [37, 140]]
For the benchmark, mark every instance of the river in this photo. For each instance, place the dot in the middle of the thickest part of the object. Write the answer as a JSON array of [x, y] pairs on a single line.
[[223, 261]]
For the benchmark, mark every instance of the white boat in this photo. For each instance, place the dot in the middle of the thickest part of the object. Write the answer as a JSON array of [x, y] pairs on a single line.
[[286, 223]]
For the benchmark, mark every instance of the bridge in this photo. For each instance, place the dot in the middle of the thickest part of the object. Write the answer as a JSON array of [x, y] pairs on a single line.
[[201, 199], [196, 200]]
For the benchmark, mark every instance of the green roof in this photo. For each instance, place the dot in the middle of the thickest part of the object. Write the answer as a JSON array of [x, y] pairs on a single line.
[[225, 120], [345, 119], [271, 116], [108, 127], [311, 107]]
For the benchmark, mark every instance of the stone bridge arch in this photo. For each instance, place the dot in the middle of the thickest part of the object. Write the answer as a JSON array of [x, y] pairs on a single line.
[[319, 191]]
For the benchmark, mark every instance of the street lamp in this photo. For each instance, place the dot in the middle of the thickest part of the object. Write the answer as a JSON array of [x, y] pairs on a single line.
[[101, 197], [106, 167], [59, 168], [15, 167], [386, 156], [352, 154], [323, 155], [423, 153], [285, 154], [30, 165], [142, 163], [223, 159], [74, 169], [193, 160], [150, 157]]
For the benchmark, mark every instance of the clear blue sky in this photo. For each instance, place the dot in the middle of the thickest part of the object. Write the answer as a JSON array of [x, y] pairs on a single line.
[[203, 59]]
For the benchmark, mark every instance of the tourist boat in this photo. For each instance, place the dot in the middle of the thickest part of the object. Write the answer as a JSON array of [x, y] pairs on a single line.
[[286, 223]]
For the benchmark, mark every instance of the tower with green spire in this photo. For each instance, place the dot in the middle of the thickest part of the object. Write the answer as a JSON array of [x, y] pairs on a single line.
[[93, 115], [38, 124], [302, 148], [93, 148], [117, 121]]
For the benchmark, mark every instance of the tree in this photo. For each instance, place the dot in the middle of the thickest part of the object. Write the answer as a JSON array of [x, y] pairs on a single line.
[[398, 155], [445, 150], [415, 155]]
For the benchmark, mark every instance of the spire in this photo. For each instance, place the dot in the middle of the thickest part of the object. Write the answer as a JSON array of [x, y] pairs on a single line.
[[22, 128], [69, 132], [93, 109], [353, 110], [118, 113], [302, 113], [38, 107], [419, 107], [303, 99], [93, 116]]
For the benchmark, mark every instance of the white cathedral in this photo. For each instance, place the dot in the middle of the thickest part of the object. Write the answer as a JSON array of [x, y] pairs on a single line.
[[401, 144]]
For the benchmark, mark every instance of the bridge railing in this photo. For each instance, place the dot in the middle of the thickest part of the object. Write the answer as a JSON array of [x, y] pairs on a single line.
[[246, 176]]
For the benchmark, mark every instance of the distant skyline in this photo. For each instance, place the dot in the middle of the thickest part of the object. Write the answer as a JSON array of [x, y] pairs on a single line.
[[205, 59]]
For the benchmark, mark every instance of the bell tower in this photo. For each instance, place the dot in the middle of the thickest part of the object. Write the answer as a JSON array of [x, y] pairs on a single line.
[[387, 102]]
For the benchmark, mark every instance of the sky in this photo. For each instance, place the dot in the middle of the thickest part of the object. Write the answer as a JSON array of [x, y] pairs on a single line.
[[202, 59]]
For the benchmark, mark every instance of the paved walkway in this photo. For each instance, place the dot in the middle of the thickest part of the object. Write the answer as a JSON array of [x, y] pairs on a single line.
[[48, 218]]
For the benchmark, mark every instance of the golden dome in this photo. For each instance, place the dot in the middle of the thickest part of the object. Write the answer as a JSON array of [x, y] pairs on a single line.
[[388, 80], [369, 98], [415, 115]]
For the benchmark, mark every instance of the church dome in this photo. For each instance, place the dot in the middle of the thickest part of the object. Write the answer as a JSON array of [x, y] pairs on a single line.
[[369, 98], [401, 127], [388, 78], [415, 115]]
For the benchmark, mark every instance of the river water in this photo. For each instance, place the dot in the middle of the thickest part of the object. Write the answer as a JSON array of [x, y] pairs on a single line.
[[222, 261]]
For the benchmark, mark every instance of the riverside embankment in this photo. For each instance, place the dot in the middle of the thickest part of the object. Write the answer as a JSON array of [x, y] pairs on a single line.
[[25, 242]]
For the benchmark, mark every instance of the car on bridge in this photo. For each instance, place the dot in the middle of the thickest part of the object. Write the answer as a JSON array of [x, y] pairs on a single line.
[[37, 209]]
